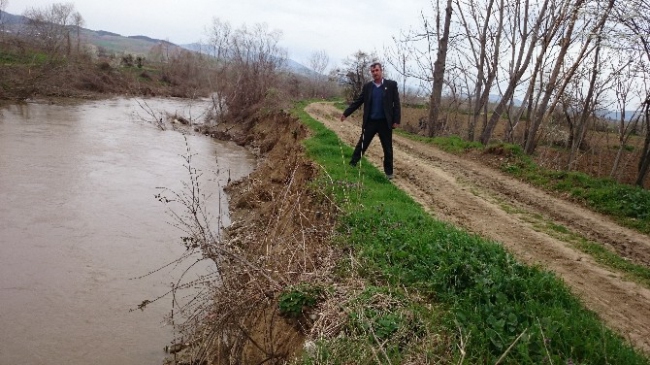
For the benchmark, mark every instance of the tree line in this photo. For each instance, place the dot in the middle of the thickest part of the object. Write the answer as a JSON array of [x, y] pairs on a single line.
[[529, 65]]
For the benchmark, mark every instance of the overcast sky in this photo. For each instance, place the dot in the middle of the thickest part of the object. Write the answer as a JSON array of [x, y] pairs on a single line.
[[340, 27]]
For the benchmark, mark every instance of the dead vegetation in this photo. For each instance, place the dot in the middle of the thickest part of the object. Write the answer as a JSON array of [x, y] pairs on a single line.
[[598, 155], [276, 245]]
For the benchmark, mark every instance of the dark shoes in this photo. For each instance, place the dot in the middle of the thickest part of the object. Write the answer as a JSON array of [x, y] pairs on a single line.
[[389, 176]]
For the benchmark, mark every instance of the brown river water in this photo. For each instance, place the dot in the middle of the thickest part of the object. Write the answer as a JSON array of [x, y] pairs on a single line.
[[79, 221]]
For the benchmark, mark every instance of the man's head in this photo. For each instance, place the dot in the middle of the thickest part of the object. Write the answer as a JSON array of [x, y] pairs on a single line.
[[376, 72]]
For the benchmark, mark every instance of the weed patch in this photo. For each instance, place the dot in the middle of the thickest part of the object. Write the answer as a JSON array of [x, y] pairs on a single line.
[[296, 300], [490, 307], [628, 205]]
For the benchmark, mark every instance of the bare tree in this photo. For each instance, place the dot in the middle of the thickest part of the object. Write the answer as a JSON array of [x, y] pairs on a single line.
[[398, 56], [51, 26], [3, 6], [558, 80], [247, 69], [524, 42], [220, 37], [483, 35], [434, 126], [644, 161], [422, 54], [78, 22], [623, 85], [318, 61], [355, 73], [581, 107], [634, 16]]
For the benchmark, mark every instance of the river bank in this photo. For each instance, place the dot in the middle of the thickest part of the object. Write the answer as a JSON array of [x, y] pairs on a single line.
[[390, 283], [280, 226], [79, 222], [282, 281]]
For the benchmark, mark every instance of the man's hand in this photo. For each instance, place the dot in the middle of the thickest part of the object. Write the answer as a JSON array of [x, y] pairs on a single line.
[[395, 125], [343, 117]]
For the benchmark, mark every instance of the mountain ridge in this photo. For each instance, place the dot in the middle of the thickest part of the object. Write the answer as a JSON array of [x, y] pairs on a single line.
[[138, 45]]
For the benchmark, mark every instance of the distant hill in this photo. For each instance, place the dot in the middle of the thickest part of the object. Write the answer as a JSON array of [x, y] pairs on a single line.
[[138, 45], [11, 19], [103, 33], [616, 116], [113, 42]]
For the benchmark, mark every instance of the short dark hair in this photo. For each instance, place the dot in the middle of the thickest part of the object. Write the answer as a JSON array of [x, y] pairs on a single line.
[[375, 64]]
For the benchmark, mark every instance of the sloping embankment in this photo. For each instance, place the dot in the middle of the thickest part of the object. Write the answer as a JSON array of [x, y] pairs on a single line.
[[276, 241]]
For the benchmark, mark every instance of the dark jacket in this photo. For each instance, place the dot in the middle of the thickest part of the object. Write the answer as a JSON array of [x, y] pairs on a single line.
[[391, 102]]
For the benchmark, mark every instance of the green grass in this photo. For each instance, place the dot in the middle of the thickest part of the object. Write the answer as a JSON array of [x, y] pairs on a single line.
[[626, 204], [340, 104], [638, 273], [26, 59], [629, 205], [473, 286], [453, 144], [635, 272], [296, 300]]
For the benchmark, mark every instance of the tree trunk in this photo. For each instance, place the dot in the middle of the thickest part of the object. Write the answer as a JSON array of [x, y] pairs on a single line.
[[531, 140], [586, 111], [551, 86], [644, 162], [517, 72], [433, 126]]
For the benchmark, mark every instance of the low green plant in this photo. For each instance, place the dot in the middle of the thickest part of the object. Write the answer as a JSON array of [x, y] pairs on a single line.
[[502, 309], [294, 301], [340, 104], [629, 205]]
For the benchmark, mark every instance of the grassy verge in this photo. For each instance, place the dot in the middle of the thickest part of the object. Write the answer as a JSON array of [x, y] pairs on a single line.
[[634, 272], [629, 205], [27, 58], [436, 294]]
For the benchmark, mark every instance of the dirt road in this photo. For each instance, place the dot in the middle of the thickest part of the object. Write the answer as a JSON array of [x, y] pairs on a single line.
[[496, 206]]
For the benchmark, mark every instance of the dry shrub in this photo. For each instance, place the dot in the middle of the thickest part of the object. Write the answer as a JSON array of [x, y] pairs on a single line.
[[277, 241]]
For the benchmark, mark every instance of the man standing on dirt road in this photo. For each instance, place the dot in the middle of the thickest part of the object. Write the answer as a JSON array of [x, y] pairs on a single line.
[[381, 114]]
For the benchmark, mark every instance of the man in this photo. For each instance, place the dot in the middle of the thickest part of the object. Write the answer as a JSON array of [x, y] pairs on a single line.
[[381, 114]]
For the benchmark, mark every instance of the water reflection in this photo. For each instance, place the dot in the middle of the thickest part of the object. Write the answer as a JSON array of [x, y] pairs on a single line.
[[78, 219]]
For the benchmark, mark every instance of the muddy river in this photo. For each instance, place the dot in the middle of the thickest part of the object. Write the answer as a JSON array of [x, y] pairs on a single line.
[[79, 221]]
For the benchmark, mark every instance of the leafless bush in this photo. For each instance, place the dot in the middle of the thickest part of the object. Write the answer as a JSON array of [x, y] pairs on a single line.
[[319, 84], [276, 243], [187, 74], [355, 73], [54, 27], [248, 65], [152, 117]]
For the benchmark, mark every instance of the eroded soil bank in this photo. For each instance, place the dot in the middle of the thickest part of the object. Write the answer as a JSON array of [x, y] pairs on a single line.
[[281, 223]]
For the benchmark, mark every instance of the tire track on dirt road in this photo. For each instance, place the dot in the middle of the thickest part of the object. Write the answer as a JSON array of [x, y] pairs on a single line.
[[472, 196]]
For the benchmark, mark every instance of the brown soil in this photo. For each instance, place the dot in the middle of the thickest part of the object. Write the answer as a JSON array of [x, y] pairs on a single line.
[[480, 199], [278, 239]]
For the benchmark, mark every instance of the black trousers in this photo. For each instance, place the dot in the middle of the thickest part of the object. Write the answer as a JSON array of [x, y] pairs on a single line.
[[385, 131]]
